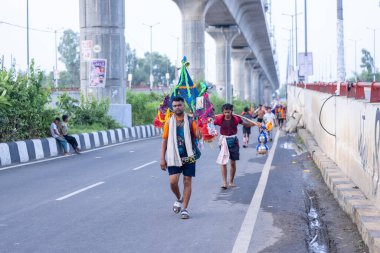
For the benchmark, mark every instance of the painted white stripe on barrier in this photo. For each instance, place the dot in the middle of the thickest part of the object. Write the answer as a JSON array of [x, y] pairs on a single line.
[[120, 134], [39, 151], [87, 142], [149, 130], [133, 130], [143, 130], [126, 131], [78, 140], [148, 133], [23, 151], [53, 146], [113, 136], [96, 139], [152, 130], [139, 131], [5, 156], [105, 137]]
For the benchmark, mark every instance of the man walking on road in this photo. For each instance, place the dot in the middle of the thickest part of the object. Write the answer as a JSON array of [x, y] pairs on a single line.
[[178, 140], [229, 143]]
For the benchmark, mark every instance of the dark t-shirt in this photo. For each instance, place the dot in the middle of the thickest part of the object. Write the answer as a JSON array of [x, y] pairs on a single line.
[[248, 116], [228, 127]]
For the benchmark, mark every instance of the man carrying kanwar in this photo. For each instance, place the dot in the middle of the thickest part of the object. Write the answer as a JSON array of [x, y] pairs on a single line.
[[229, 143], [178, 145]]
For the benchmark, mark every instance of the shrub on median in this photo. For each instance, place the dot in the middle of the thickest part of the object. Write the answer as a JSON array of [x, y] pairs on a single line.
[[25, 114]]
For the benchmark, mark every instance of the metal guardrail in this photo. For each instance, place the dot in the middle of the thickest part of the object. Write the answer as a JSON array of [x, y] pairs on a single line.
[[351, 90]]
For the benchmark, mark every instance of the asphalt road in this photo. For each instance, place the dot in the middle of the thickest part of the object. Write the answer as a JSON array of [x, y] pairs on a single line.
[[116, 199]]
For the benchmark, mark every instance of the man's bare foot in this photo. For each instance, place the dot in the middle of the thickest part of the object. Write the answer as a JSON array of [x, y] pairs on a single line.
[[231, 185]]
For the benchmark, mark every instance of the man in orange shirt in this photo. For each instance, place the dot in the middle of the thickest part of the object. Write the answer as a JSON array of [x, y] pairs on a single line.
[[178, 145], [280, 116]]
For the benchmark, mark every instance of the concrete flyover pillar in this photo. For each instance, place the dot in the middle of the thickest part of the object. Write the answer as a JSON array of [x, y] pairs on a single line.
[[193, 35], [102, 22], [267, 92], [223, 37], [256, 84], [262, 78], [238, 60], [247, 91]]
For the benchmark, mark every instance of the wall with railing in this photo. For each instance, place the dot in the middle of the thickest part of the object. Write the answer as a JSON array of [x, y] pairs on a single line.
[[346, 127]]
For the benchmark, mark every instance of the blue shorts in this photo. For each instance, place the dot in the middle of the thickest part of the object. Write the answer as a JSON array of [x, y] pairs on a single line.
[[186, 169]]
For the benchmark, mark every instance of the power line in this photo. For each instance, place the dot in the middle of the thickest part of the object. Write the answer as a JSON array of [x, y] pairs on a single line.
[[24, 27]]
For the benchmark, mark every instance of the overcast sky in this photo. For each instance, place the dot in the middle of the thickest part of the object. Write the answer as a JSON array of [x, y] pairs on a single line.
[[57, 14]]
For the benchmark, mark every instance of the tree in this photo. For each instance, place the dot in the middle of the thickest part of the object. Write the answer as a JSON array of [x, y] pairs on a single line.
[[130, 59], [367, 60], [367, 68], [160, 66], [69, 50]]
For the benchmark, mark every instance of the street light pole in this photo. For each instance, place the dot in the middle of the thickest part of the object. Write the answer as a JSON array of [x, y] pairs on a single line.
[[295, 17], [356, 72], [176, 61], [291, 38], [55, 43], [27, 34], [150, 56], [294, 61], [374, 51]]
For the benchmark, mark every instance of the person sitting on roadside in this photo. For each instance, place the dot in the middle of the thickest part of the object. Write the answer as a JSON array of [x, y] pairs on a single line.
[[56, 135], [64, 131]]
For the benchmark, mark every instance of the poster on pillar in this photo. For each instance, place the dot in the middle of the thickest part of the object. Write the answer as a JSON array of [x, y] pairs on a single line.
[[86, 50], [98, 68]]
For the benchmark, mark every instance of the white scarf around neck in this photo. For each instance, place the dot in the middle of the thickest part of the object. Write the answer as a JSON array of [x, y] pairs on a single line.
[[172, 150]]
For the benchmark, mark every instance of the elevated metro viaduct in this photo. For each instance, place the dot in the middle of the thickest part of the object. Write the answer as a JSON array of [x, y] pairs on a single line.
[[240, 31]]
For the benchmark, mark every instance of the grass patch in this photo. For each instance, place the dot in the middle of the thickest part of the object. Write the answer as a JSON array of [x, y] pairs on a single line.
[[86, 128], [299, 140], [360, 244]]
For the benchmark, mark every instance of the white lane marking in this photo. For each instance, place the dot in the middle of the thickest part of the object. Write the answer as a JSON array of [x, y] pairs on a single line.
[[87, 151], [244, 237], [79, 191], [144, 165]]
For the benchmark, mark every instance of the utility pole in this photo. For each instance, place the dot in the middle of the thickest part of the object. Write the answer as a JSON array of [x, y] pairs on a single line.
[[356, 72], [295, 16], [291, 39], [55, 74], [27, 34], [306, 27], [294, 60], [305, 36], [374, 51], [150, 56], [340, 43], [176, 61]]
